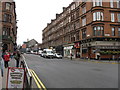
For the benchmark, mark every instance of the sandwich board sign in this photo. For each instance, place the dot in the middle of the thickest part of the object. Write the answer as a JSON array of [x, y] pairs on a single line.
[[15, 77]]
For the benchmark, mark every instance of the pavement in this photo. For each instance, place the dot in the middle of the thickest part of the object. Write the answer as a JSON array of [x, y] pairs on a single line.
[[3, 79], [0, 81], [98, 61]]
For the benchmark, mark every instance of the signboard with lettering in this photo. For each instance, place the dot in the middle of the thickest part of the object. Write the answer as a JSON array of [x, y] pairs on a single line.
[[15, 77]]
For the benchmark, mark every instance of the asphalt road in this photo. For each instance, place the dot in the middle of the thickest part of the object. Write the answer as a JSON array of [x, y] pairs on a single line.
[[66, 73]]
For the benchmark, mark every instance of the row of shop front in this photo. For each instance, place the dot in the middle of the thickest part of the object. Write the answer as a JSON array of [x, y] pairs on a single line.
[[90, 50]]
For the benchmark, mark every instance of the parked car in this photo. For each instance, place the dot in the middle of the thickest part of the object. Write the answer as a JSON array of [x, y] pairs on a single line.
[[57, 55], [41, 54], [48, 53]]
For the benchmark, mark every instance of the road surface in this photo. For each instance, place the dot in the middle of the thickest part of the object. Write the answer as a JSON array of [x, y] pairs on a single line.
[[66, 73]]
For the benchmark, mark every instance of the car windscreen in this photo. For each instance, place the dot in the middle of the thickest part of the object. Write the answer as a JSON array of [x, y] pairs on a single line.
[[49, 52]]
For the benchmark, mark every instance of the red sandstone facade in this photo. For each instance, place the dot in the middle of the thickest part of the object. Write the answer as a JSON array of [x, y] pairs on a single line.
[[86, 29], [8, 25]]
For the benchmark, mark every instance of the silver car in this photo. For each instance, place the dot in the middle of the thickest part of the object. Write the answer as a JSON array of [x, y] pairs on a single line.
[[57, 55]]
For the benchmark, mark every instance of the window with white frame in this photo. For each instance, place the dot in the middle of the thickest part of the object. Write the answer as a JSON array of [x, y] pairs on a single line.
[[118, 17], [6, 31], [98, 16], [112, 17], [118, 3], [113, 31], [111, 3], [119, 31], [84, 34], [84, 21], [77, 4], [97, 3], [7, 6], [73, 7], [98, 31], [83, 10], [69, 19]]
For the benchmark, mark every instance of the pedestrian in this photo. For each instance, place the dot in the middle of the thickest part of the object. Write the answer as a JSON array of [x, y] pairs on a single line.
[[98, 56], [118, 58], [71, 55], [10, 54], [17, 56], [6, 58]]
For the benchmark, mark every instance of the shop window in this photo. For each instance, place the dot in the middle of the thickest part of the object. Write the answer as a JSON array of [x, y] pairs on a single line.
[[84, 50]]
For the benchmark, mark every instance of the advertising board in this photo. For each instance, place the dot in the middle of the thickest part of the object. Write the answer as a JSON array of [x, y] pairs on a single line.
[[15, 77]]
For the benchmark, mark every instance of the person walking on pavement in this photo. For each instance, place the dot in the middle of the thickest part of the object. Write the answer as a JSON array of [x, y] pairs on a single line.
[[71, 55], [17, 56], [6, 58]]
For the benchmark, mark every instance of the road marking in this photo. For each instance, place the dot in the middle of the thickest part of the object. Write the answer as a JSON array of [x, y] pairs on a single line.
[[38, 81]]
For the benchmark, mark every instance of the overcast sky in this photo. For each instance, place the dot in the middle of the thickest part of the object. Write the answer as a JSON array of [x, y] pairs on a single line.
[[33, 16]]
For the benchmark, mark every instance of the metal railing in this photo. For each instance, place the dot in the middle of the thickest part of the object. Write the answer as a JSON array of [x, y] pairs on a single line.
[[28, 76]]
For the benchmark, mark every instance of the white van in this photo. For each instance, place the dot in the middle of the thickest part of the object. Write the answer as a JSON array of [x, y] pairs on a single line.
[[48, 53]]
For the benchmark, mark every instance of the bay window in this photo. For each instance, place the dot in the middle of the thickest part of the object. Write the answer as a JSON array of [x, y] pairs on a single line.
[[98, 31], [98, 16]]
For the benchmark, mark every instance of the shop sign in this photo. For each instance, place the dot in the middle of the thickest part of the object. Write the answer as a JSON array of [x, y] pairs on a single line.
[[108, 47], [107, 34], [77, 45], [15, 77], [69, 47]]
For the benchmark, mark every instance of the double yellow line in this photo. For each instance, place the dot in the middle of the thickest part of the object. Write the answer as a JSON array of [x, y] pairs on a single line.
[[37, 80]]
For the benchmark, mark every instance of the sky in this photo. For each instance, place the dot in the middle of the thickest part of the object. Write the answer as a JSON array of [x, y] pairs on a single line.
[[33, 16]]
